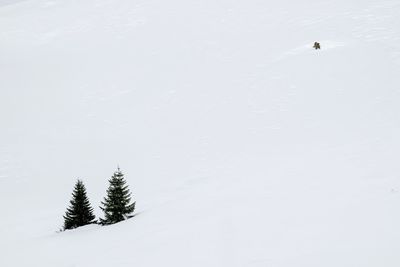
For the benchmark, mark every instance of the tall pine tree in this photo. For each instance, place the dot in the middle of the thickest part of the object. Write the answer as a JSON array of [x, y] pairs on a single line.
[[80, 212], [116, 206]]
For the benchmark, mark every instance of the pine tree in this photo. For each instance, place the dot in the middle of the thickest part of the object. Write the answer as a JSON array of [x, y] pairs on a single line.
[[116, 206], [80, 211]]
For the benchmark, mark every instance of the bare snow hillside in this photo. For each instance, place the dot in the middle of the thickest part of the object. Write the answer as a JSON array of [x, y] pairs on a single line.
[[243, 146]]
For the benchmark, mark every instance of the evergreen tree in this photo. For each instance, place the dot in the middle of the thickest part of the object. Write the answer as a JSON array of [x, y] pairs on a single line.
[[116, 206], [80, 212]]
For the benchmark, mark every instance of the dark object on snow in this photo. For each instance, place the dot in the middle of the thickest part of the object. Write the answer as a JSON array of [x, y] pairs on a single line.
[[317, 45], [80, 212], [117, 204]]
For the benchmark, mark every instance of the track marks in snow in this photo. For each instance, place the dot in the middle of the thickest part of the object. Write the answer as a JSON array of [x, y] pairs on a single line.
[[117, 21]]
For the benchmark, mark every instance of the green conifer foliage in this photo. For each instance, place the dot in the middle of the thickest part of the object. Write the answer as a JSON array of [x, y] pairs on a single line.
[[117, 205], [80, 211]]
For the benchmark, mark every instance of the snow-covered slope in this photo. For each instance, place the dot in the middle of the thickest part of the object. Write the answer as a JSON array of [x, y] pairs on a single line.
[[242, 145]]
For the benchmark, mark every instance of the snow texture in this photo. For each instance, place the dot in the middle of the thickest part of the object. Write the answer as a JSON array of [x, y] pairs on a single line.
[[242, 145]]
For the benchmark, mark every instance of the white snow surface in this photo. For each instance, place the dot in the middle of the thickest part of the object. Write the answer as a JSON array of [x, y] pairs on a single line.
[[242, 145]]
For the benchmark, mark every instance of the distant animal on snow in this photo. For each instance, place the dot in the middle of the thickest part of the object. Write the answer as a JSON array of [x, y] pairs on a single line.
[[317, 45]]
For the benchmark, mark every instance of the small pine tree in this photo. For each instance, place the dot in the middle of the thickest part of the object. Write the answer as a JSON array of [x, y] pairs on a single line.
[[116, 206], [80, 212]]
